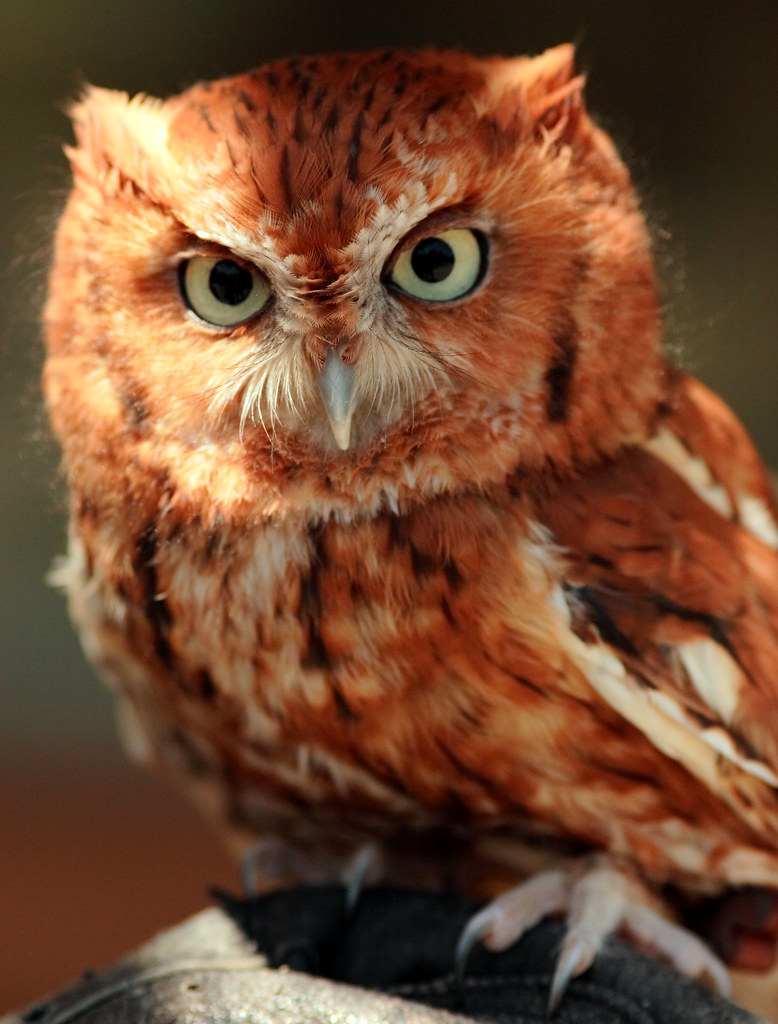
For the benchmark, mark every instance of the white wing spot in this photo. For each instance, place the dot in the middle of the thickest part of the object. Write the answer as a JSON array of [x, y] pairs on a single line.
[[666, 447], [757, 519], [751, 512], [665, 721], [713, 673], [722, 741]]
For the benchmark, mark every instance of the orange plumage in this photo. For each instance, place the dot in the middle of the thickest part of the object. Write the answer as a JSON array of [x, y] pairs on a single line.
[[389, 518]]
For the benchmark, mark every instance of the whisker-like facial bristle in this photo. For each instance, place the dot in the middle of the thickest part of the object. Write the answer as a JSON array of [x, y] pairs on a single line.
[[276, 388]]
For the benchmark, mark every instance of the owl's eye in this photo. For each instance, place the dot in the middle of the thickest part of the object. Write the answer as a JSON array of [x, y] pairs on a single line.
[[441, 267], [223, 292]]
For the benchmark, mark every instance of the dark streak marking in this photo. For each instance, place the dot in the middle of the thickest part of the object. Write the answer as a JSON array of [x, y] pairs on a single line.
[[716, 628], [601, 561], [603, 622], [448, 614], [559, 375], [202, 110], [240, 124], [472, 719], [422, 564], [154, 607], [212, 544], [387, 774], [453, 575], [617, 768], [401, 85], [369, 96], [318, 98], [206, 686], [331, 121], [358, 79], [705, 721], [316, 655], [230, 154], [247, 101], [397, 534], [522, 680], [271, 122], [345, 711], [439, 103], [352, 167], [470, 773]]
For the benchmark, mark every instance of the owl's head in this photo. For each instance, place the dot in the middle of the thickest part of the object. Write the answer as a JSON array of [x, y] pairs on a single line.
[[361, 265]]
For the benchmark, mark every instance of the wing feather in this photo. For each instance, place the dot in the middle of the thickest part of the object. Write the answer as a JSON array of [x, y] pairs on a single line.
[[672, 586]]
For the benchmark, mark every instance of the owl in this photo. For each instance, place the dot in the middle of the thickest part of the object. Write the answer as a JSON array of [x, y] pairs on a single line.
[[389, 520]]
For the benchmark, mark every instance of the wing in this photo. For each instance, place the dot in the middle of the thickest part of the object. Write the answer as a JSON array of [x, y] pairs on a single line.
[[672, 591]]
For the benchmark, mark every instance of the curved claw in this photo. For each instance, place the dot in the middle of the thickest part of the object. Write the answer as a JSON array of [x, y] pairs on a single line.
[[475, 929], [599, 900], [576, 957], [503, 921], [364, 865], [596, 905], [684, 950]]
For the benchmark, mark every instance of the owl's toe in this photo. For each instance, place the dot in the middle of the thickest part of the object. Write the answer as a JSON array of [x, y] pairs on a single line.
[[680, 947], [503, 921], [599, 898], [272, 862]]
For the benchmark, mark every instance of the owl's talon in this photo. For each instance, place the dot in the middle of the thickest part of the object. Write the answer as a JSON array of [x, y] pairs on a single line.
[[513, 913], [680, 947], [364, 866], [576, 957], [599, 899], [472, 933], [503, 921]]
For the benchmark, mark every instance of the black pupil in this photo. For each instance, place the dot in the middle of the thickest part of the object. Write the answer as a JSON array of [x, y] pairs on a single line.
[[230, 283], [432, 260]]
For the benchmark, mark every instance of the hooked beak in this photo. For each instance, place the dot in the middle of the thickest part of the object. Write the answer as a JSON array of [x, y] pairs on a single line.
[[336, 387]]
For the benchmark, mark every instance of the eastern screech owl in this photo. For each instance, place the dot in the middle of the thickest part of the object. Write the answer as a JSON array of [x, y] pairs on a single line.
[[389, 518]]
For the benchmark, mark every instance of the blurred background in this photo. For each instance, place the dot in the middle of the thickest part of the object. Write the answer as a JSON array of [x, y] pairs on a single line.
[[94, 856]]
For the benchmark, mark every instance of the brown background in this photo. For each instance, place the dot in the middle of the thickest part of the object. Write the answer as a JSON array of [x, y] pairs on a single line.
[[94, 856]]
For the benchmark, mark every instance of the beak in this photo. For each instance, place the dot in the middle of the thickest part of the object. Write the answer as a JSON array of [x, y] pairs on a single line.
[[336, 387]]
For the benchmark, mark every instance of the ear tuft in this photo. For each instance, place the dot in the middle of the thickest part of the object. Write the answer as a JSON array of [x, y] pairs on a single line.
[[115, 136], [555, 94]]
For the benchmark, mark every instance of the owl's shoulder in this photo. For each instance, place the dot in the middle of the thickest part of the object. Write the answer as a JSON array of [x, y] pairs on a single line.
[[671, 579]]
